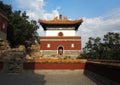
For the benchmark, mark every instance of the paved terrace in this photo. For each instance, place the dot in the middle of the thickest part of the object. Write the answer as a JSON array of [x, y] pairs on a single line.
[[46, 77]]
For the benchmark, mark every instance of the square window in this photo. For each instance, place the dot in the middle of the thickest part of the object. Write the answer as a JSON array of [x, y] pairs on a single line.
[[72, 45], [3, 26], [48, 45]]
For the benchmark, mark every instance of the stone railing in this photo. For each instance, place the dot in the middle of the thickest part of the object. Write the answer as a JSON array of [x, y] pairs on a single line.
[[106, 72]]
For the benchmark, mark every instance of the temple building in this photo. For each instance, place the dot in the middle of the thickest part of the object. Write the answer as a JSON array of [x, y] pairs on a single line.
[[60, 37], [3, 31], [3, 25]]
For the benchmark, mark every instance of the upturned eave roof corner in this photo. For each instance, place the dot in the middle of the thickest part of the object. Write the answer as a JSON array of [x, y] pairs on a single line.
[[57, 22]]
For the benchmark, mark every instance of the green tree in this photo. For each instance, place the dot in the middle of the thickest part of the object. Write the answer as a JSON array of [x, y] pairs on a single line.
[[109, 48], [6, 8], [19, 28], [89, 49], [97, 48], [112, 45]]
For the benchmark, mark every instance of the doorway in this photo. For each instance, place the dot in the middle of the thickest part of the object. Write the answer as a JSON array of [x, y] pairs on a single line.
[[60, 50]]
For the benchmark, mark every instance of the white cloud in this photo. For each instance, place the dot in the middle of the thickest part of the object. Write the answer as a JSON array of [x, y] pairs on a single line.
[[35, 10], [49, 16], [91, 27], [30, 4], [99, 26], [32, 15]]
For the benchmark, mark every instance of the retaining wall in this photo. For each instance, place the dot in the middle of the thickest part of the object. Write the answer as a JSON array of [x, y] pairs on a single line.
[[105, 71], [1, 64], [38, 66]]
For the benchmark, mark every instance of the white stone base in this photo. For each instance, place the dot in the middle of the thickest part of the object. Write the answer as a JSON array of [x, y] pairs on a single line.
[[71, 53]]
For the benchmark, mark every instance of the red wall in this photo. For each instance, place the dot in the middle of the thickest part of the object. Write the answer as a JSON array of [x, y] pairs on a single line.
[[3, 21], [38, 66], [66, 44]]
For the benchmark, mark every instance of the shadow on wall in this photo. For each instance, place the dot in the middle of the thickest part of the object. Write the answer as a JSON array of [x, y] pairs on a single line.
[[102, 73], [33, 78]]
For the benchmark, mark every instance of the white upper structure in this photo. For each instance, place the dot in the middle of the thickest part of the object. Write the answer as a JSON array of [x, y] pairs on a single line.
[[60, 26], [56, 32]]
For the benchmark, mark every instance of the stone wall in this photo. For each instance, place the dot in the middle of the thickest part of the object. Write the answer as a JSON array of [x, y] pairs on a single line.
[[106, 72], [13, 63], [3, 47], [2, 36], [70, 53]]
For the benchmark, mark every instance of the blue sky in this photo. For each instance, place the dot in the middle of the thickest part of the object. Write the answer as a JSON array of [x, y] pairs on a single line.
[[100, 16], [82, 8], [73, 8]]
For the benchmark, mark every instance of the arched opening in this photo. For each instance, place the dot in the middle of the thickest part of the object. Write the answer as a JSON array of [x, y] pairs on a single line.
[[60, 34], [60, 50]]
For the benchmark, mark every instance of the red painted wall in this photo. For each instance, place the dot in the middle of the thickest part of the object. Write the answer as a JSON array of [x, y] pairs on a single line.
[[38, 66], [56, 41], [3, 21], [1, 25], [66, 44]]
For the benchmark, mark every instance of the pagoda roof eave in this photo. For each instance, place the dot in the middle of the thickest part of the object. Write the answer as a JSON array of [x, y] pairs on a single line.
[[59, 23]]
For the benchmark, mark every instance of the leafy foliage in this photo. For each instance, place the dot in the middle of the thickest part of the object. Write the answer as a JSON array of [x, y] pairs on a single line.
[[108, 48], [20, 29]]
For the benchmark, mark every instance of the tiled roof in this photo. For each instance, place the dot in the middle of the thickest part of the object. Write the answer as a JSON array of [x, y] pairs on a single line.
[[60, 22]]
